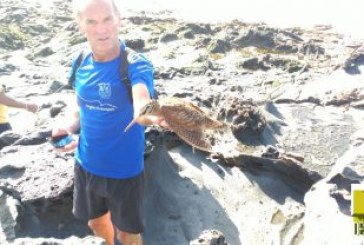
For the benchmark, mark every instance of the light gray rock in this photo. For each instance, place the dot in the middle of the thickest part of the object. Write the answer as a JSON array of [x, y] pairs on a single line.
[[328, 204], [89, 240], [8, 217], [39, 175], [210, 237]]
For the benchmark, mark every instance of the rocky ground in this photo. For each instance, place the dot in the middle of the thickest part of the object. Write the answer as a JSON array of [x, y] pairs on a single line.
[[294, 98]]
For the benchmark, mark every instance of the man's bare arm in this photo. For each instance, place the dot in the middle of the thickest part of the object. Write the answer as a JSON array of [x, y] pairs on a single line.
[[141, 97]]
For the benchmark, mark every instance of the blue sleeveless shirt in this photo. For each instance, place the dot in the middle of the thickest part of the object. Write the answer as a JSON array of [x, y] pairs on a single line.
[[105, 110]]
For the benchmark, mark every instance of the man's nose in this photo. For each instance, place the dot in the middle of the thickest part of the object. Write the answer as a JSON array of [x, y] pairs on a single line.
[[101, 28]]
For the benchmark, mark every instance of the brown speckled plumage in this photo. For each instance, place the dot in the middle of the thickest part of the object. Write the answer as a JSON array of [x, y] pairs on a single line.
[[187, 120]]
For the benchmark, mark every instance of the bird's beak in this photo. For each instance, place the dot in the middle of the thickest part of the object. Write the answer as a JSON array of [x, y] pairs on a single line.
[[131, 124]]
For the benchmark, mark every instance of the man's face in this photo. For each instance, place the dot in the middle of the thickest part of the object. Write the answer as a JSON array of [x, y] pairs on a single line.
[[99, 22]]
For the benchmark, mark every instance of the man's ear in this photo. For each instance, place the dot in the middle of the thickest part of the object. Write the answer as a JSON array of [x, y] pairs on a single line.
[[121, 23], [80, 27]]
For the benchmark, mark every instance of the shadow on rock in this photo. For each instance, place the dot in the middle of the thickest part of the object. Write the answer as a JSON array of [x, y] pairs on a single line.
[[55, 221], [178, 210], [273, 171]]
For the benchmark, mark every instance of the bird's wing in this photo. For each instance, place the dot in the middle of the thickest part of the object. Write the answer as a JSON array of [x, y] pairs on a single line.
[[181, 115], [174, 101], [195, 138], [195, 107]]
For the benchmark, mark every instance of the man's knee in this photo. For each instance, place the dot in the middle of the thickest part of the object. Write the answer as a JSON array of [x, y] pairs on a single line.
[[94, 225], [129, 238], [100, 222]]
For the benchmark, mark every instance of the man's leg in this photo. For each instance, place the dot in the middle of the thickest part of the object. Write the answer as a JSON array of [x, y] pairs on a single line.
[[129, 238], [103, 228], [127, 209]]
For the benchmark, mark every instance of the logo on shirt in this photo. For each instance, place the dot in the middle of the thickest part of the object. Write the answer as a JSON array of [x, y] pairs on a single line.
[[104, 90]]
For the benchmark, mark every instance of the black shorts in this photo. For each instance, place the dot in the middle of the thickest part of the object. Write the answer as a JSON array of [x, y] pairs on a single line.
[[94, 196]]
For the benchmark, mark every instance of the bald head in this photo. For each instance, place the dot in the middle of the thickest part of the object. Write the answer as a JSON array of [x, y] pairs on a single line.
[[99, 21], [80, 5]]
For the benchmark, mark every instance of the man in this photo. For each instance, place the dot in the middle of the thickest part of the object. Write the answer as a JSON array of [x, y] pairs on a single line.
[[109, 169], [7, 101]]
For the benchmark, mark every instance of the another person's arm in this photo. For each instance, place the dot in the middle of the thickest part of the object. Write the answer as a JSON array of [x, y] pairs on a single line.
[[11, 102]]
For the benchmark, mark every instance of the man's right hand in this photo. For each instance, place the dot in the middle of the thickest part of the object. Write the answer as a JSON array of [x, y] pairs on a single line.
[[67, 148]]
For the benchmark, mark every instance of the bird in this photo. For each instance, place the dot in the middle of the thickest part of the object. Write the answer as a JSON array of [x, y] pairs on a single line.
[[184, 118]]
